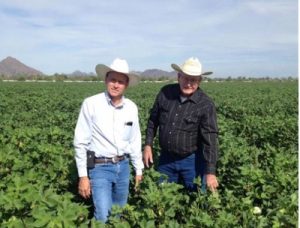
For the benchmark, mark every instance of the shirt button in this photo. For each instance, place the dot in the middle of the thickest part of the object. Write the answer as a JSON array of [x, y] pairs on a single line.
[[170, 132], [176, 114], [173, 123]]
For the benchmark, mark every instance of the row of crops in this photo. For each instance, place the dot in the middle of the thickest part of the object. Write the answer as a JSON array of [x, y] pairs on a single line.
[[257, 169]]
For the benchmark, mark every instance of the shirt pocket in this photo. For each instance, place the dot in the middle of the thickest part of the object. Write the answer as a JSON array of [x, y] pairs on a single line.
[[127, 130], [163, 116], [190, 124]]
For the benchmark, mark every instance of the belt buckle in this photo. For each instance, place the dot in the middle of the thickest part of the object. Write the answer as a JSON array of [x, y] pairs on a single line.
[[113, 160]]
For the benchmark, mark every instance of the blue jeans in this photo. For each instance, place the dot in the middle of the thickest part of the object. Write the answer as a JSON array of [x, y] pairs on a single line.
[[183, 170], [110, 186]]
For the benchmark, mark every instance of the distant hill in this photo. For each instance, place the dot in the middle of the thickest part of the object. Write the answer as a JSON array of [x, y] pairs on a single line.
[[78, 73], [13, 67], [156, 73]]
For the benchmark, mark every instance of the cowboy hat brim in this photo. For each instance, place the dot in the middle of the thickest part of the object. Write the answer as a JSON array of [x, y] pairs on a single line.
[[178, 69], [102, 71]]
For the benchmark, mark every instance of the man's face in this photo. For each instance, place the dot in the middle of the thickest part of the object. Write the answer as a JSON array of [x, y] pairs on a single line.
[[116, 83], [188, 84]]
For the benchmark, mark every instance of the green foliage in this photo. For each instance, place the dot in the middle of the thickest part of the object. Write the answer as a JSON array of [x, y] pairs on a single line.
[[257, 169]]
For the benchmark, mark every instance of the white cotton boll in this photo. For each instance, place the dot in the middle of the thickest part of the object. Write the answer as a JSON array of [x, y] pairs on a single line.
[[256, 210]]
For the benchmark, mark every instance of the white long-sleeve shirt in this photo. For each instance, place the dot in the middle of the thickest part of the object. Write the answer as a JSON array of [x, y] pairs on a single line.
[[108, 131]]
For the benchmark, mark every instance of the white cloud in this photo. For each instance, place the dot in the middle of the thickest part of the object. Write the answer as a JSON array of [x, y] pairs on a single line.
[[278, 7], [63, 35]]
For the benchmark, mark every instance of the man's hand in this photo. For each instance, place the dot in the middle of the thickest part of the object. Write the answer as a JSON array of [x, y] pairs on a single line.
[[212, 182], [84, 187], [138, 179], [148, 158]]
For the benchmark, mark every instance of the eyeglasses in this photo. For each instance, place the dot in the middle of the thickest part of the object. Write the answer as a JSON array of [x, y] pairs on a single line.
[[190, 79]]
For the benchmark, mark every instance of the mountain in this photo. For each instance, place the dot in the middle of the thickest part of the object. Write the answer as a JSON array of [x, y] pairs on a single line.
[[78, 73], [13, 67], [10, 67], [156, 73], [151, 74]]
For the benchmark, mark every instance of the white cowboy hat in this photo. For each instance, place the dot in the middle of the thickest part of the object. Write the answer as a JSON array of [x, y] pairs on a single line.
[[120, 66], [191, 67]]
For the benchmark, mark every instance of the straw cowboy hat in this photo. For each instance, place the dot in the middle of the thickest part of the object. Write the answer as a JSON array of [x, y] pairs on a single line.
[[191, 67], [120, 66]]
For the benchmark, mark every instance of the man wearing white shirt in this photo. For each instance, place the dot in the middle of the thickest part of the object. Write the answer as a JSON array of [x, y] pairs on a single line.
[[108, 129]]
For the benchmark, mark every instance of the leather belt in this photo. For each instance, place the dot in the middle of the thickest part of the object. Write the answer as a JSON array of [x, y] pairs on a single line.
[[114, 160]]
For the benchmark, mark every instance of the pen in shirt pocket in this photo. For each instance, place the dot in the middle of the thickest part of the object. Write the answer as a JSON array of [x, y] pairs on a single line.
[[128, 123]]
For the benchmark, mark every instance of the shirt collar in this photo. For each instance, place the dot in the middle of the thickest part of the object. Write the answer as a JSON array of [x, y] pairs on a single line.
[[196, 96], [110, 102]]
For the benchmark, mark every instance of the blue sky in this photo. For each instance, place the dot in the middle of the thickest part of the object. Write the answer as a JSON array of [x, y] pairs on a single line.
[[231, 38]]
